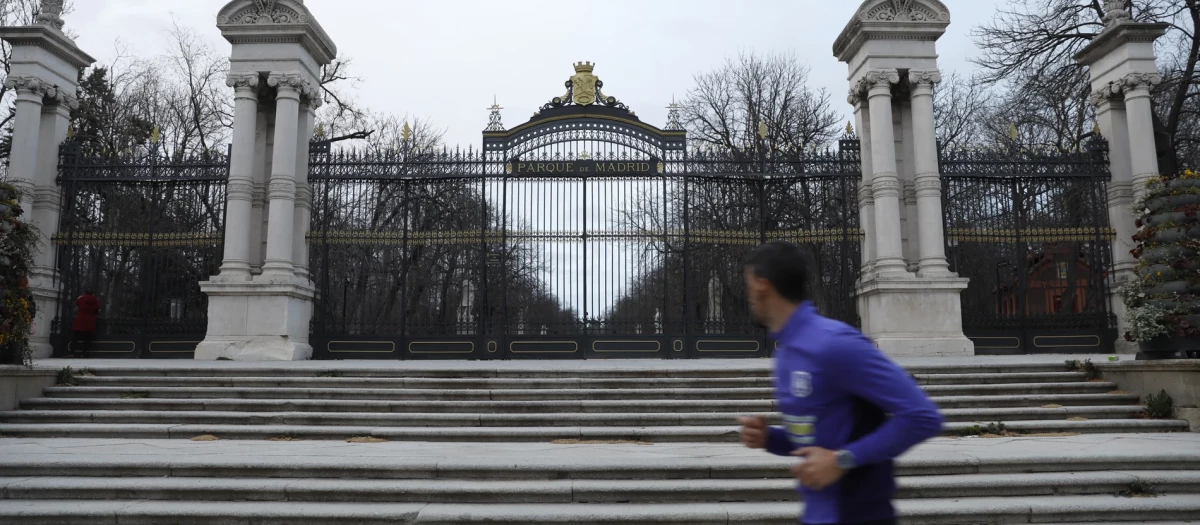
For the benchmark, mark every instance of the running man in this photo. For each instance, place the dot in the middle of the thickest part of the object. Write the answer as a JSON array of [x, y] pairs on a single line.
[[848, 410]]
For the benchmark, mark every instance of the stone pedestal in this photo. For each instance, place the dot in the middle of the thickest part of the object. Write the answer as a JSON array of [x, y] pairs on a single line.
[[914, 316], [262, 320]]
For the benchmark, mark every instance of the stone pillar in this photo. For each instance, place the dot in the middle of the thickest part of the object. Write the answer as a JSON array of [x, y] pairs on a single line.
[[1142, 150], [866, 195], [47, 203], [282, 188], [44, 72], [304, 194], [1123, 68], [929, 179], [22, 161], [885, 185], [266, 317], [240, 190], [905, 314]]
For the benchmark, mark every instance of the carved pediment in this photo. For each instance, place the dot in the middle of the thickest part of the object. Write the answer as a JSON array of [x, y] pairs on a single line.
[[904, 11], [264, 12]]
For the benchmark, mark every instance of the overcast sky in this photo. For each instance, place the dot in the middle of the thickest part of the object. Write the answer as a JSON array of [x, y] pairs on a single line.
[[444, 60]]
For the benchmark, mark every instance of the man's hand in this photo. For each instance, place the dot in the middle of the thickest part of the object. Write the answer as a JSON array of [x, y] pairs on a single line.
[[754, 431], [819, 469]]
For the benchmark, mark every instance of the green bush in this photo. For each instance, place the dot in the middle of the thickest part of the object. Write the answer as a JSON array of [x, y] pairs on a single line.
[[1160, 406], [18, 240]]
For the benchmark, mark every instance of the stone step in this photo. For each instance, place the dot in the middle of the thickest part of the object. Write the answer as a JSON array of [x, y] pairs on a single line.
[[504, 407], [1040, 509], [539, 395], [760, 381], [520, 370], [293, 460], [573, 491], [511, 420], [663, 434]]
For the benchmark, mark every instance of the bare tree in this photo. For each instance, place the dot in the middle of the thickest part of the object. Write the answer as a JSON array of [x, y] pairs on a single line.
[[727, 107], [1036, 40], [961, 102]]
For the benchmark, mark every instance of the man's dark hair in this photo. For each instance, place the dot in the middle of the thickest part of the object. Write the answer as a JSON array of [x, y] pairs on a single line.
[[784, 265]]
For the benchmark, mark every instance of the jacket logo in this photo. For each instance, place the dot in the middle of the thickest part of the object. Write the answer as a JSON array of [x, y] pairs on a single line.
[[801, 384]]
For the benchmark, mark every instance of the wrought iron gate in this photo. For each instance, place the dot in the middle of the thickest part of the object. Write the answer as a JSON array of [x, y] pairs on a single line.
[[141, 230], [583, 233], [1031, 230]]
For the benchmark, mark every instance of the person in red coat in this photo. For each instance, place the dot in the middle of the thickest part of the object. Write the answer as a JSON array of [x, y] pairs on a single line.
[[88, 309]]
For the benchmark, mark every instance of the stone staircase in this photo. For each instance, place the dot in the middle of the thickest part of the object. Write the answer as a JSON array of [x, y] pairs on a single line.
[[478, 445]]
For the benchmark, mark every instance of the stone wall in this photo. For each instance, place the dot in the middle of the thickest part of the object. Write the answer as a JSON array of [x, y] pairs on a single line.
[[18, 382], [1180, 379]]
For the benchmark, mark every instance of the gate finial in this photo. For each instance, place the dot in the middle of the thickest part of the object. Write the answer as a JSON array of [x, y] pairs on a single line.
[[51, 14]]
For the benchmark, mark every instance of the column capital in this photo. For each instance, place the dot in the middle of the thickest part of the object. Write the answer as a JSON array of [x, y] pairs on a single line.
[[854, 98], [314, 100], [879, 79], [63, 99], [1140, 81], [925, 78], [290, 83], [1102, 96], [30, 85], [242, 81]]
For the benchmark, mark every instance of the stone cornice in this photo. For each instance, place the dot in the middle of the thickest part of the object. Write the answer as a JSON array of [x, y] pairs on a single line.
[[1116, 36], [49, 39], [925, 20], [257, 21]]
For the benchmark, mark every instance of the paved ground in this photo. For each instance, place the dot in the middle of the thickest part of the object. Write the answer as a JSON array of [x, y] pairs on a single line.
[[1085, 448], [626, 364]]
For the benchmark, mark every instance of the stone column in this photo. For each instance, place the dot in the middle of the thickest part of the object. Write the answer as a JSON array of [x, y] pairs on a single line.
[[304, 194], [885, 184], [1142, 149], [22, 161], [866, 196], [1114, 126], [240, 190], [44, 283], [282, 188], [931, 227], [56, 119]]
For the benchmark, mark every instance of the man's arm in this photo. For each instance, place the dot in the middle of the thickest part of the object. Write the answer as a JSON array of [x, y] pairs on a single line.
[[778, 442], [873, 377]]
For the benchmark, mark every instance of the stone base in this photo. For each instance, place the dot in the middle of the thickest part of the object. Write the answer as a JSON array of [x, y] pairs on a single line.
[[45, 296], [257, 319], [910, 316]]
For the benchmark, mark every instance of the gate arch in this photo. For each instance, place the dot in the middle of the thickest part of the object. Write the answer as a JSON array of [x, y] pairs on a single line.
[[581, 233]]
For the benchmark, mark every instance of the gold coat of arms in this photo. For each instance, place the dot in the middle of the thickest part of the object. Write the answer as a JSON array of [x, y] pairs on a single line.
[[583, 84]]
